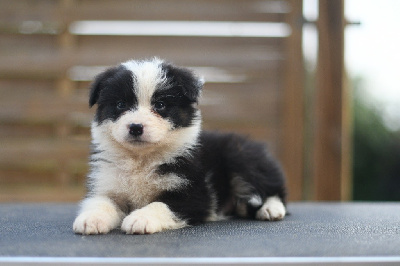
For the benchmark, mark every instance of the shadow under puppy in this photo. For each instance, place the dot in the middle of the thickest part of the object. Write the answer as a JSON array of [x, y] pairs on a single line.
[[153, 169]]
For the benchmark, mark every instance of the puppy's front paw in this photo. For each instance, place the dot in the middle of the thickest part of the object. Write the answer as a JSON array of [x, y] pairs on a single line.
[[272, 210], [139, 224], [150, 219], [92, 223]]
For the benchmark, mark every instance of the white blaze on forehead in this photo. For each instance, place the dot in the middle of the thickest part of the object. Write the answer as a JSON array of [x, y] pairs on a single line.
[[147, 76]]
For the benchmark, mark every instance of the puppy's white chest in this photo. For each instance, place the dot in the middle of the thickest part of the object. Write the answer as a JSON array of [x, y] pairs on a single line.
[[137, 187]]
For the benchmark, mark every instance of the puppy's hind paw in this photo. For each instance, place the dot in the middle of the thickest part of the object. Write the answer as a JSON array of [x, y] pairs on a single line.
[[272, 210]]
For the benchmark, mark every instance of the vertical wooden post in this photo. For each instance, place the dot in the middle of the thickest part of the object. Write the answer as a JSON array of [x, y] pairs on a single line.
[[66, 43], [328, 172], [65, 87], [346, 190], [293, 100]]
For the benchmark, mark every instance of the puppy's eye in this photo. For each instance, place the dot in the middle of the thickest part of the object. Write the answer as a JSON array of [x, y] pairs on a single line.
[[159, 106], [121, 105]]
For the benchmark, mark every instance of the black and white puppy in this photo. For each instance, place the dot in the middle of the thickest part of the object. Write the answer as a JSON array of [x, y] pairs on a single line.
[[153, 169]]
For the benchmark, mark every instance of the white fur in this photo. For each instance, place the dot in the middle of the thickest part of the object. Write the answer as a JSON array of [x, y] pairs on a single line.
[[272, 210], [138, 187], [155, 128], [153, 218], [98, 215], [130, 171], [124, 172], [113, 139], [255, 201], [148, 75]]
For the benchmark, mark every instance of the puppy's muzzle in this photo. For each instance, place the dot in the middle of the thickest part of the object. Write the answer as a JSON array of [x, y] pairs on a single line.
[[136, 130]]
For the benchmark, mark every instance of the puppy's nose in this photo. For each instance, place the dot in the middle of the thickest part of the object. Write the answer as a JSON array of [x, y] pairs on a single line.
[[136, 130]]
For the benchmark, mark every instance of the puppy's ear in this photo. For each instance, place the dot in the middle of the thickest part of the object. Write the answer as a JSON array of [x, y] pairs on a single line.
[[99, 83], [187, 80], [198, 83]]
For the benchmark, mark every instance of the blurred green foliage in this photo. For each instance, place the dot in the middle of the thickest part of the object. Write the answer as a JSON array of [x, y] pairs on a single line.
[[376, 152]]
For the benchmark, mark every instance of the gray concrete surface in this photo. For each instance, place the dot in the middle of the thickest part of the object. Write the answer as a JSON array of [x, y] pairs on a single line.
[[311, 230]]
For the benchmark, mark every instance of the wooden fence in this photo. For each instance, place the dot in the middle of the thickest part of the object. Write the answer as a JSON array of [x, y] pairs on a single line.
[[51, 49]]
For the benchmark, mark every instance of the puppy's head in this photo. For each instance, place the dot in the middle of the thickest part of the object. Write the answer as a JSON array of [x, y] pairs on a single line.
[[143, 103]]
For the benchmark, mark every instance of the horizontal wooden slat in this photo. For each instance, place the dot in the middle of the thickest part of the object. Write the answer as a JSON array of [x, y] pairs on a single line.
[[31, 27], [44, 155], [44, 114], [25, 45], [256, 102], [30, 104], [92, 50], [176, 28], [38, 103], [230, 10], [222, 10], [184, 51], [252, 56], [24, 10], [237, 29]]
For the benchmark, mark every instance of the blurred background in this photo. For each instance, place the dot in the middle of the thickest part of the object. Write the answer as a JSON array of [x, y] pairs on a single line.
[[317, 81]]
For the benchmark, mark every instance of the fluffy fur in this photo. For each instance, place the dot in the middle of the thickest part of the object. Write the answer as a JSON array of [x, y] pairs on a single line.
[[153, 169]]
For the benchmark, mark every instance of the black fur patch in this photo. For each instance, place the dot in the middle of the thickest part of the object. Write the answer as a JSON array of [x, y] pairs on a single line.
[[114, 92], [226, 156], [185, 80], [111, 88], [222, 157], [216, 161], [178, 109]]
